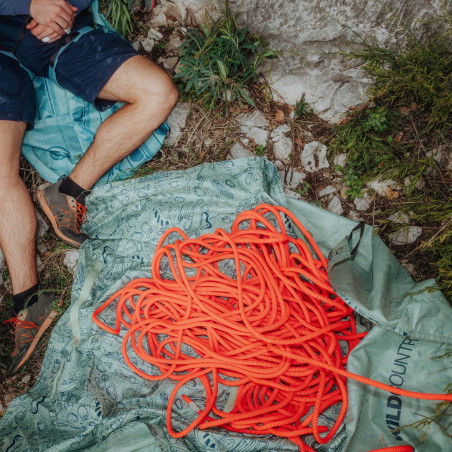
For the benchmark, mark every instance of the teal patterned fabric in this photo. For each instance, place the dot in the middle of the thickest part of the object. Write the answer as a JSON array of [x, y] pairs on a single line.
[[87, 398]]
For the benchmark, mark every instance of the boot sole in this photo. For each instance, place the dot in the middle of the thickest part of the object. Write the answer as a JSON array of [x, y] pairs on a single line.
[[47, 322], [48, 212]]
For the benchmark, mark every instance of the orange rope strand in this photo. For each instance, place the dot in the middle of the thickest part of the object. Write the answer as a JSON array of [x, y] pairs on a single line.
[[256, 310]]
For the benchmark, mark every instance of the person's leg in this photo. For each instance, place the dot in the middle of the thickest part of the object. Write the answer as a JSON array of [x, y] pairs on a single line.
[[33, 313], [101, 67], [17, 214], [149, 94]]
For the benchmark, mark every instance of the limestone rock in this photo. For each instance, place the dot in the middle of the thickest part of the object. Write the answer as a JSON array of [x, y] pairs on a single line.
[[326, 191], [188, 12], [354, 216], [316, 33], [253, 125], [400, 217], [382, 187], [292, 194], [177, 120], [71, 258], [282, 145], [173, 43], [238, 151], [340, 160], [42, 225], [361, 204], [292, 178], [313, 157], [169, 63], [335, 206], [406, 235]]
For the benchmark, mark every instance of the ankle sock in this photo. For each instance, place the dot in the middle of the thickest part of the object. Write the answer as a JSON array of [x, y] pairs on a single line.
[[71, 188], [26, 298]]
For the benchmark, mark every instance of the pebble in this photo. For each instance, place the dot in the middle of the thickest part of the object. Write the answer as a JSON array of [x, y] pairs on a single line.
[[335, 206], [177, 120], [313, 157], [361, 204], [70, 260], [400, 217], [405, 236], [381, 187], [327, 191], [238, 151]]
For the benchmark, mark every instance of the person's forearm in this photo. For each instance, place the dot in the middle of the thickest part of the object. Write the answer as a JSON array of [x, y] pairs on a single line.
[[15, 7]]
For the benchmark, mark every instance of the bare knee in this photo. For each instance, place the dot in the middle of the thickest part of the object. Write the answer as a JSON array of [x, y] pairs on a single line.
[[159, 92]]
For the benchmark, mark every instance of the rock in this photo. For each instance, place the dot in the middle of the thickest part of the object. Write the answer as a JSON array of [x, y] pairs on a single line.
[[292, 194], [326, 191], [136, 45], [177, 120], [382, 187], [188, 12], [238, 151], [254, 119], [292, 178], [400, 217], [173, 43], [253, 125], [313, 157], [154, 34], [71, 258], [405, 236], [340, 160], [335, 206], [354, 216], [26, 379], [315, 36], [147, 44], [420, 184], [42, 225], [409, 267], [361, 204], [282, 145], [169, 63]]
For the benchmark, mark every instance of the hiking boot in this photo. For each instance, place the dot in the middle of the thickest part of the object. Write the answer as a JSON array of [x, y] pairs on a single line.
[[64, 212], [30, 324]]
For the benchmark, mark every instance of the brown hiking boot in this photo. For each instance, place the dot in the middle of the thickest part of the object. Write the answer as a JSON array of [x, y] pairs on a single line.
[[30, 324], [64, 213]]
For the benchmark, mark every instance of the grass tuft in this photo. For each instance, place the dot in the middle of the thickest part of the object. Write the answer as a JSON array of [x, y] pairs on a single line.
[[220, 60]]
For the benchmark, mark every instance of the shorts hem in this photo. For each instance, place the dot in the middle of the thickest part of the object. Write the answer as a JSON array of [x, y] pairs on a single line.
[[92, 94], [17, 117]]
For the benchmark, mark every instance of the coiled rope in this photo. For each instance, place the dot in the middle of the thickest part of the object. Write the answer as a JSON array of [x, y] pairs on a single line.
[[252, 309]]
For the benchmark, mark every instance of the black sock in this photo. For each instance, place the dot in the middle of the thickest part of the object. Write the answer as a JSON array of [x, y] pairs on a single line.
[[26, 298], [71, 188]]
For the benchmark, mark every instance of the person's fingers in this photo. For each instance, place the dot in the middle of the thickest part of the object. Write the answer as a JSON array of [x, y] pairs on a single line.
[[32, 24]]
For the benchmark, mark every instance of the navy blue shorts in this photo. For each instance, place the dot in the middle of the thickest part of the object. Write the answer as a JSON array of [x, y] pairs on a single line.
[[17, 93], [83, 67]]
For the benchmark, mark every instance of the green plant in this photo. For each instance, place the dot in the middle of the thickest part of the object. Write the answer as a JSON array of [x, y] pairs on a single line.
[[120, 13], [260, 150], [304, 189], [420, 73], [220, 60], [394, 138], [303, 109]]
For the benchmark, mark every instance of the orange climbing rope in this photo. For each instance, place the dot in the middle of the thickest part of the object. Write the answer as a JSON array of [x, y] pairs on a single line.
[[252, 309]]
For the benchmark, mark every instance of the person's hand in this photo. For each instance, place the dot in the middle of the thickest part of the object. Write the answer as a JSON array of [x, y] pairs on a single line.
[[44, 32], [56, 14]]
